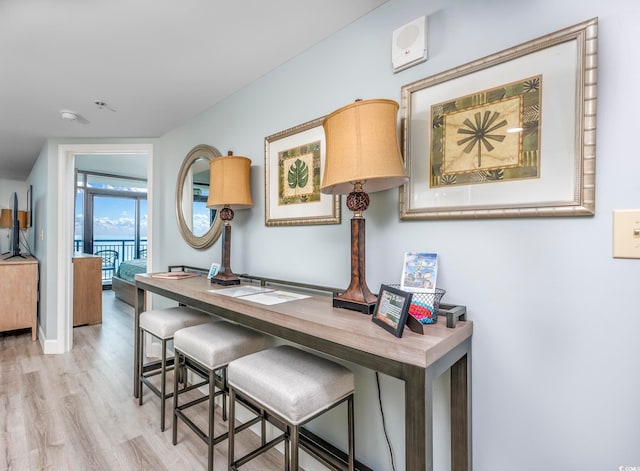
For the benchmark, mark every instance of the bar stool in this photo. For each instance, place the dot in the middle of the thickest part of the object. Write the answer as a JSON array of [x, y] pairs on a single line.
[[293, 386], [206, 350], [162, 324]]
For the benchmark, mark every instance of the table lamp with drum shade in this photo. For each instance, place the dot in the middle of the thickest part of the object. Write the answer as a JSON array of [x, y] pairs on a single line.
[[229, 189], [362, 155]]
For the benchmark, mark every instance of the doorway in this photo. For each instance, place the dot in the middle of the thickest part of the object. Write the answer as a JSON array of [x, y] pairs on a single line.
[[108, 156]]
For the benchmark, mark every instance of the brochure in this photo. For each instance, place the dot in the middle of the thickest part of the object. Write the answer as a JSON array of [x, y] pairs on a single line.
[[259, 294], [174, 275], [238, 291], [275, 297], [419, 272]]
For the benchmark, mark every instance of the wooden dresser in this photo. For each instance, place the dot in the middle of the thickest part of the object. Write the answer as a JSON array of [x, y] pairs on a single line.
[[19, 294], [87, 289]]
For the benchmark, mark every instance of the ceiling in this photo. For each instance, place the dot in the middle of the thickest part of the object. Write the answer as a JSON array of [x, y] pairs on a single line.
[[155, 63]]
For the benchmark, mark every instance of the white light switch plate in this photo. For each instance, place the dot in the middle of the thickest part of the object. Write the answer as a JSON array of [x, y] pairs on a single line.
[[626, 233]]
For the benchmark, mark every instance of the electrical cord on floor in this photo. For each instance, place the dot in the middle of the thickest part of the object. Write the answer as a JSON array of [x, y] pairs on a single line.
[[384, 425]]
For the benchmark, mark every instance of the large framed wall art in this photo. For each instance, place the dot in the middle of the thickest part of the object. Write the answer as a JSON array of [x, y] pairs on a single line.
[[509, 135], [293, 162]]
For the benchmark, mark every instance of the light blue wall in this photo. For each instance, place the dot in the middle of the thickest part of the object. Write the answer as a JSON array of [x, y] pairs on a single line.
[[556, 357], [39, 180], [556, 367]]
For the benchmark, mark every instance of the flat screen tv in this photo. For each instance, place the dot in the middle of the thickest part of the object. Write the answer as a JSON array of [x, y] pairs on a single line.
[[15, 230]]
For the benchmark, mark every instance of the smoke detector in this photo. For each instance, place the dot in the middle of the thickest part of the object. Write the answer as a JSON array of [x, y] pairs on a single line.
[[72, 116]]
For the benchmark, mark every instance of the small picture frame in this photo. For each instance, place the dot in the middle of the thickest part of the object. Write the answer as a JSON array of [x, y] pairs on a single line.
[[392, 309], [213, 271]]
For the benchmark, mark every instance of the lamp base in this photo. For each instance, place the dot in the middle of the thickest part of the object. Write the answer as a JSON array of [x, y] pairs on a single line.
[[357, 296], [360, 306], [226, 280], [225, 276]]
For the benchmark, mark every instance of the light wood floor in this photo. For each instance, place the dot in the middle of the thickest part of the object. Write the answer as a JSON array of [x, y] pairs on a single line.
[[76, 411]]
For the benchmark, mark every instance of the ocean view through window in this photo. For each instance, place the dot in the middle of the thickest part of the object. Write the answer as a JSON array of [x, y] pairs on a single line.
[[111, 215]]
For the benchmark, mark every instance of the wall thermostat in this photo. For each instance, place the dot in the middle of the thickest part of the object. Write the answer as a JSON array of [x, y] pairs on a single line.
[[409, 44]]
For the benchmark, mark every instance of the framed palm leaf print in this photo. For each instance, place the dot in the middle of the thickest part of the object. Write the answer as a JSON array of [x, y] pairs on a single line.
[[294, 160], [508, 135]]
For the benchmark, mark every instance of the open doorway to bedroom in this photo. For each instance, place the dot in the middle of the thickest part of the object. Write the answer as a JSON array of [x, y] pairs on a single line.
[[111, 218], [101, 167]]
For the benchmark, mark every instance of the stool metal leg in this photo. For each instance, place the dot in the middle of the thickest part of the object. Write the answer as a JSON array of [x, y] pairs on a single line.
[[163, 385], [176, 365], [294, 450], [287, 448], [225, 387], [352, 445], [231, 437], [212, 413], [141, 363]]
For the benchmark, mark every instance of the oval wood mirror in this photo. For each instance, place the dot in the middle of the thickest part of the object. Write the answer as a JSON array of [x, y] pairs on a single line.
[[200, 226]]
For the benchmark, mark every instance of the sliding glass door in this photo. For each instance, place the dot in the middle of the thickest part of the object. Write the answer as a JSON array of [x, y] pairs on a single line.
[[111, 219]]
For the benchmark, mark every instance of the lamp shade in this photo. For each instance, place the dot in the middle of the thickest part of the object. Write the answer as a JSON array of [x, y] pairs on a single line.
[[230, 182], [362, 145], [22, 219], [6, 218]]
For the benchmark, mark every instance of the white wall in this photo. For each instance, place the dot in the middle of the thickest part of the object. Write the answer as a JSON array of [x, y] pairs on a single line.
[[556, 367], [131, 165]]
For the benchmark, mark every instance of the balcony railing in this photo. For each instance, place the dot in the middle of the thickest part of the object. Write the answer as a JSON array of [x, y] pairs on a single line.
[[126, 250]]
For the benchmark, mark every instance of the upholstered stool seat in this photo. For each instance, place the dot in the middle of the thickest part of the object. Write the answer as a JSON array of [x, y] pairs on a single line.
[[207, 349], [295, 386], [162, 324]]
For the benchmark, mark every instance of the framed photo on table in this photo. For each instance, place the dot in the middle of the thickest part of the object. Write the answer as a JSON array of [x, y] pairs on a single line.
[[293, 162], [392, 309], [508, 135], [213, 271]]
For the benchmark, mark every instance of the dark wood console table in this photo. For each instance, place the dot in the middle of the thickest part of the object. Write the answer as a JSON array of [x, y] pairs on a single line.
[[312, 322]]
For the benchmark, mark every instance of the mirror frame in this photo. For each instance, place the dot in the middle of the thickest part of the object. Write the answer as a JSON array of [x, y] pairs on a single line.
[[207, 240]]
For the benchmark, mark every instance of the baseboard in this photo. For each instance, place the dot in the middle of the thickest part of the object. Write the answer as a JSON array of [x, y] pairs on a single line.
[[49, 347]]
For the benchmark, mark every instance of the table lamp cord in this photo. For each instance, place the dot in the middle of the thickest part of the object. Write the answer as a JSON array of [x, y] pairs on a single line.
[[384, 425]]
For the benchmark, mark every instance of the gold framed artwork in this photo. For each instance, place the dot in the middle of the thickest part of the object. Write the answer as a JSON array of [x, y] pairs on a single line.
[[509, 135], [294, 160]]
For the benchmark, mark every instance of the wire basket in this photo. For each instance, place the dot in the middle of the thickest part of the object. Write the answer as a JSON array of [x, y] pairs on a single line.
[[424, 306]]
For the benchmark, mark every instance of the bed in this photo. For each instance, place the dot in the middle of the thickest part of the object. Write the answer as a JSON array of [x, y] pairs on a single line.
[[123, 282]]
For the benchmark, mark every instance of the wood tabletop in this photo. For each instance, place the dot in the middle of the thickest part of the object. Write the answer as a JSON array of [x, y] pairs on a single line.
[[25, 259], [85, 255], [315, 323]]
